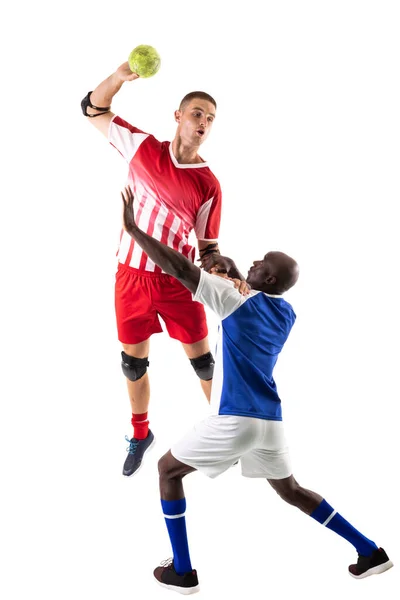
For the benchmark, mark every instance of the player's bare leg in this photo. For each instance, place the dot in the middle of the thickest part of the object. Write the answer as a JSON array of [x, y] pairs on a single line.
[[371, 559], [139, 396], [290, 491], [177, 574], [196, 350], [171, 472]]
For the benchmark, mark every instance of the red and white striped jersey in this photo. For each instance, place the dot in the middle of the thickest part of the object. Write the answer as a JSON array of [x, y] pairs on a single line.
[[170, 199]]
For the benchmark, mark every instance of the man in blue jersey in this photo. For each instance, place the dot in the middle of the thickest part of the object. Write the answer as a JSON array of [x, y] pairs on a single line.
[[246, 419]]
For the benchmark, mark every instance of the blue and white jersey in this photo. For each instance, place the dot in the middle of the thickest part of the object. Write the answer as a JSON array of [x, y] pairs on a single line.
[[252, 333]]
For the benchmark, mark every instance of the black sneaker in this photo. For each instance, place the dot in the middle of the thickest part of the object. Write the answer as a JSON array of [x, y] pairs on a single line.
[[136, 450], [169, 578], [377, 563]]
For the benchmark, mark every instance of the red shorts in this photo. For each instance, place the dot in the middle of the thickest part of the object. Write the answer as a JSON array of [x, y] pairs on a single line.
[[141, 297]]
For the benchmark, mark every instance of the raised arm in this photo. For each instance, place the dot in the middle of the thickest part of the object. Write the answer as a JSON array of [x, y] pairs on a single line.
[[171, 261], [97, 104]]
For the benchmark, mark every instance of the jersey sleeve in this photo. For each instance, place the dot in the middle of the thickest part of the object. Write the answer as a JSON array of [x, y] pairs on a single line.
[[125, 138], [219, 294], [209, 217]]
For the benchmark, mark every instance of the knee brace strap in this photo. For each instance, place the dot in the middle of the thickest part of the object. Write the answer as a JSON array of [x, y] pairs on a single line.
[[133, 368], [204, 366]]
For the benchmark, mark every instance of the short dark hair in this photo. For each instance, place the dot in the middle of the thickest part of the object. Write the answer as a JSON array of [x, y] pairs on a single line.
[[203, 95]]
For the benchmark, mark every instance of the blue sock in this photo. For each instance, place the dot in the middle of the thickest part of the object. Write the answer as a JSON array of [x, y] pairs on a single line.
[[174, 513], [326, 515]]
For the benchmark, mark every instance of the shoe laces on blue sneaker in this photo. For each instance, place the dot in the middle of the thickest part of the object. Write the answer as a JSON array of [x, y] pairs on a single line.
[[133, 444]]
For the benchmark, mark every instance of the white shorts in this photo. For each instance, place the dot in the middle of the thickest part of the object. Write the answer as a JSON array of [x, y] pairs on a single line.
[[216, 443]]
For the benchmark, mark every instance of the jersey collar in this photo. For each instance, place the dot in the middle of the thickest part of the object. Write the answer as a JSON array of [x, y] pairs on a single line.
[[190, 166]]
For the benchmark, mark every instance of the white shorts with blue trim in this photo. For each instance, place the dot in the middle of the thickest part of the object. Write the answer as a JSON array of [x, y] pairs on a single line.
[[217, 442]]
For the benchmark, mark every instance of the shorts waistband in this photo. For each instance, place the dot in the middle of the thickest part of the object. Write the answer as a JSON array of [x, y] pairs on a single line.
[[142, 273]]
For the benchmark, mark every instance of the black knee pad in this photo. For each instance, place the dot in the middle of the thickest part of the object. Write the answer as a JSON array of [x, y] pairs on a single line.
[[204, 366], [133, 368]]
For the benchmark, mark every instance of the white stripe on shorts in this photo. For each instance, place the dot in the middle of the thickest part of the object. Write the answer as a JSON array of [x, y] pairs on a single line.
[[330, 518]]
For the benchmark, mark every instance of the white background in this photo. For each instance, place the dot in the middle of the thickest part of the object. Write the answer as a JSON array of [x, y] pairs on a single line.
[[306, 146]]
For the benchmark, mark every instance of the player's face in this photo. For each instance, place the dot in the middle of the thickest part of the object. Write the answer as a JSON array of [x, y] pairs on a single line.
[[259, 272], [195, 121]]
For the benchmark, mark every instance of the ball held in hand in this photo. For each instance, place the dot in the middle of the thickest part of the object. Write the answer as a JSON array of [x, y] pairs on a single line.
[[144, 60]]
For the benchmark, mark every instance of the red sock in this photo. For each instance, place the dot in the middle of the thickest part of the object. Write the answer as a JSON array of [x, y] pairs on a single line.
[[140, 426]]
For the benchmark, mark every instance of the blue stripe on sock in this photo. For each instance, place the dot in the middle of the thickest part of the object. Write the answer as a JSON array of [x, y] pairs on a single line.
[[339, 525], [177, 534]]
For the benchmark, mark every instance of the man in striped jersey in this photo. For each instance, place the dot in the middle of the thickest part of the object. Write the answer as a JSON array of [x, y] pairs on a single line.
[[246, 417], [175, 192]]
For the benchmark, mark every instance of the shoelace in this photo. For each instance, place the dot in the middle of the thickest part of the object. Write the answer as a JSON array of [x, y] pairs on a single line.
[[166, 563], [133, 444]]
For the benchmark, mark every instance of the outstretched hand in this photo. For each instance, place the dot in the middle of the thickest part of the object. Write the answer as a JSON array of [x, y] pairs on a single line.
[[214, 260], [242, 286], [124, 72], [128, 213]]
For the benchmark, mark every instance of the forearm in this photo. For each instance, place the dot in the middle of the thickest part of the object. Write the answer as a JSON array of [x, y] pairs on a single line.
[[234, 273], [104, 93], [171, 262]]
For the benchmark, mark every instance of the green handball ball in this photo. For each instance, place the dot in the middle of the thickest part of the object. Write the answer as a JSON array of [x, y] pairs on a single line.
[[144, 61]]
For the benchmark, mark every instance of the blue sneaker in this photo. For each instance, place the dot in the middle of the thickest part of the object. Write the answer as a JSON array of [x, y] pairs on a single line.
[[136, 450]]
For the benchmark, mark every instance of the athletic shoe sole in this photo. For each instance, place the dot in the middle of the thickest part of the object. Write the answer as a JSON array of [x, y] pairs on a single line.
[[180, 590], [374, 570]]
